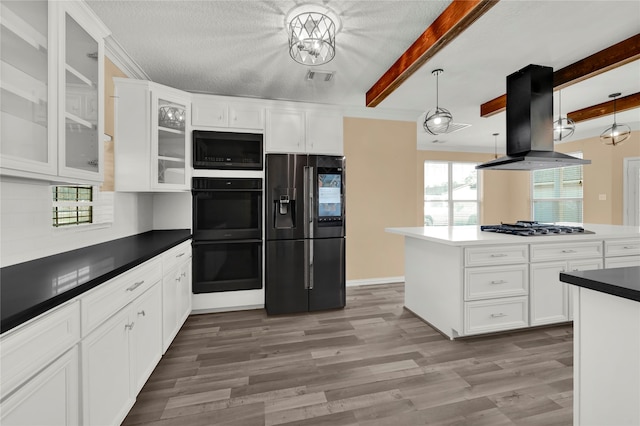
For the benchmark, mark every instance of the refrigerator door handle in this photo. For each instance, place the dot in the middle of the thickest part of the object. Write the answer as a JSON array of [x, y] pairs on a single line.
[[308, 201], [307, 249], [310, 263]]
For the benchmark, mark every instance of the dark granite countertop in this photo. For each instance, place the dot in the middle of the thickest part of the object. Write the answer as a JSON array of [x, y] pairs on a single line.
[[622, 282], [30, 288]]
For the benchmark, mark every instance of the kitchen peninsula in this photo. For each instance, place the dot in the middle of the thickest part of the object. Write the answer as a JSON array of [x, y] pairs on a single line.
[[464, 281]]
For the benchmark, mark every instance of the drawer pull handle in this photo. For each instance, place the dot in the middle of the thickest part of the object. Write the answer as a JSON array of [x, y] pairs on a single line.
[[136, 285], [143, 313], [498, 282], [129, 326], [628, 247], [498, 255], [576, 270], [180, 255], [568, 251], [500, 315]]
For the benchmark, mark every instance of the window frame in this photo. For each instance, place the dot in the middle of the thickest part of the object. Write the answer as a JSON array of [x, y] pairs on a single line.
[[81, 204], [450, 201]]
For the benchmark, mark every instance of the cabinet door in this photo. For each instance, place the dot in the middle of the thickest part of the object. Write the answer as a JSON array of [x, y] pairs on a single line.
[[50, 398], [27, 79], [580, 265], [548, 295], [80, 125], [169, 145], [184, 292], [146, 335], [106, 372], [285, 131], [246, 117], [214, 114], [324, 132], [170, 284]]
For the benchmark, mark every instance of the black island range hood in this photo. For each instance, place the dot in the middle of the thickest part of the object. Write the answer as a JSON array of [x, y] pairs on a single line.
[[530, 124]]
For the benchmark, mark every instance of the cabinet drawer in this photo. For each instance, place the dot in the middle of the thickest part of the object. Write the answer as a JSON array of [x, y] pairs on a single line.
[[496, 255], [626, 247], [176, 255], [28, 349], [496, 281], [622, 261], [545, 252], [484, 316], [110, 297]]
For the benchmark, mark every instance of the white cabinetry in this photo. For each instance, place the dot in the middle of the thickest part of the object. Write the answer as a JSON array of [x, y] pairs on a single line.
[[176, 291], [211, 111], [549, 297], [621, 253], [152, 137], [300, 131], [40, 369], [52, 87], [495, 288], [123, 328]]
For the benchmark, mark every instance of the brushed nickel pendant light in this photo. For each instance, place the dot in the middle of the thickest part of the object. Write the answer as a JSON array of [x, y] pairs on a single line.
[[563, 128], [437, 120], [617, 133]]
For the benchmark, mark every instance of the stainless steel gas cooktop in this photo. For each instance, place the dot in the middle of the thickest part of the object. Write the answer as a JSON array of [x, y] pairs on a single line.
[[531, 228]]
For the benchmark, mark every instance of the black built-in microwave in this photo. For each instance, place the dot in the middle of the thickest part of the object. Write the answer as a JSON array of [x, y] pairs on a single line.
[[227, 150]]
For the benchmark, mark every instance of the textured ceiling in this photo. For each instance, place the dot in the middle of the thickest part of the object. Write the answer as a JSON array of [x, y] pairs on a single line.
[[239, 48]]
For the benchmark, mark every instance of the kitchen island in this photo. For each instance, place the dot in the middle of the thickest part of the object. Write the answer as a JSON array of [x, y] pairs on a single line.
[[465, 282], [606, 346]]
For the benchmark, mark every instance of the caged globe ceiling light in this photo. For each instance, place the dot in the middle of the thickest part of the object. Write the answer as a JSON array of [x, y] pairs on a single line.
[[617, 133], [312, 34], [437, 120], [563, 128]]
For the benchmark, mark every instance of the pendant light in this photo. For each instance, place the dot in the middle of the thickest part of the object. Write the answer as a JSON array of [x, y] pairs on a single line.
[[495, 145], [437, 120], [563, 128], [617, 133]]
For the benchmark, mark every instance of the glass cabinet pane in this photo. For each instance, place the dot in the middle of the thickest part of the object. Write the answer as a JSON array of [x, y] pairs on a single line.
[[171, 143], [24, 100], [81, 73]]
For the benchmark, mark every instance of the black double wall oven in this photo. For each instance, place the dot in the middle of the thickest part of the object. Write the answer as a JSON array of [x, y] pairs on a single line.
[[227, 233]]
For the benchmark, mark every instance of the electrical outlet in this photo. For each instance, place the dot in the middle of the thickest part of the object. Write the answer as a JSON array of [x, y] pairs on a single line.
[[602, 197]]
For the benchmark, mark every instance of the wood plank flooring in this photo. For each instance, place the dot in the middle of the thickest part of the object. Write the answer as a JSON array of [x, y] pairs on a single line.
[[372, 363]]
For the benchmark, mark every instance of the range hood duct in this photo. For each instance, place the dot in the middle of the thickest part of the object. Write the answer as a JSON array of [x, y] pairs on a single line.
[[530, 124]]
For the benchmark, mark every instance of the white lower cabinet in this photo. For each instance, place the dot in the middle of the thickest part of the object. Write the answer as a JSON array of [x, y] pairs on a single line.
[[51, 398], [176, 291], [118, 358]]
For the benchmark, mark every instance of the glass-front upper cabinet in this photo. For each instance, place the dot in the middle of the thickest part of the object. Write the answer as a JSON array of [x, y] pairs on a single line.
[[81, 102], [28, 87], [169, 145]]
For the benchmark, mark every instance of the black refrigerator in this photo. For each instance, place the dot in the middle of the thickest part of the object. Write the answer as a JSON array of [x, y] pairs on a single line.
[[305, 233]]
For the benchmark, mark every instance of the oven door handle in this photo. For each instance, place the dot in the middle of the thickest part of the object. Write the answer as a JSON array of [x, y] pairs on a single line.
[[210, 242]]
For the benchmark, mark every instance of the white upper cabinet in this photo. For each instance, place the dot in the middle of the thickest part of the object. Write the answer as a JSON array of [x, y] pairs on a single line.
[[152, 137], [304, 131], [213, 111], [52, 88]]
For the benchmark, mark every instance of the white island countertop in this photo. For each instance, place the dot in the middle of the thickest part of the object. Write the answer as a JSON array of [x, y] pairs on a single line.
[[472, 235]]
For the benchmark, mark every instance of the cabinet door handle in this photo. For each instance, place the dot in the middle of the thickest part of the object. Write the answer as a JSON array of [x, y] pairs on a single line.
[[178, 279], [180, 255], [576, 270], [499, 315], [498, 255], [498, 282], [129, 326], [142, 312], [184, 274], [136, 285], [568, 251]]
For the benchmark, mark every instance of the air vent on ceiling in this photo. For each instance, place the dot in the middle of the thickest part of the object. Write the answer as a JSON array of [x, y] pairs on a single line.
[[319, 75], [454, 127]]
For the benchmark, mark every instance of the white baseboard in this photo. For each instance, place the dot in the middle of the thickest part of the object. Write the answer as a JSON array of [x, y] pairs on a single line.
[[229, 309], [374, 281]]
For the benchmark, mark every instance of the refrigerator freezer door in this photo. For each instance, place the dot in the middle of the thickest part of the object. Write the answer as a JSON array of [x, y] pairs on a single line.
[[328, 278], [285, 281], [284, 195]]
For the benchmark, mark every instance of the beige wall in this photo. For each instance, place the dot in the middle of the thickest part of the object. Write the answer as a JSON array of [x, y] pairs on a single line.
[[381, 192], [110, 71], [385, 174]]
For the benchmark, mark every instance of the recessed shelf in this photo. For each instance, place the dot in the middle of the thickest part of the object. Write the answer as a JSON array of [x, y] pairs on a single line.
[[78, 120], [19, 27], [22, 84], [170, 130], [174, 159], [77, 74]]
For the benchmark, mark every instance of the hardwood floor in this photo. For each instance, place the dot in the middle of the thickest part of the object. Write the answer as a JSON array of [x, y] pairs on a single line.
[[372, 363]]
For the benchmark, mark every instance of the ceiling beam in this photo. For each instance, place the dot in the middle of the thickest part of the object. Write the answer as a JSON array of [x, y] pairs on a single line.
[[457, 17], [612, 57], [606, 108]]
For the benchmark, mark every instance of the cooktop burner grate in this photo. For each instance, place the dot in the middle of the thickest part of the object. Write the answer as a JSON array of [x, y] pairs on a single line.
[[532, 228]]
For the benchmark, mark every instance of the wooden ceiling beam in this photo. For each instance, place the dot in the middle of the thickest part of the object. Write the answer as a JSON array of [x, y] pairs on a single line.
[[605, 60], [606, 108], [457, 17]]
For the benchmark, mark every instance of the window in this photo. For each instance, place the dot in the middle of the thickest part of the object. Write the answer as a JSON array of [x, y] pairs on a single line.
[[81, 205], [557, 193], [450, 194]]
